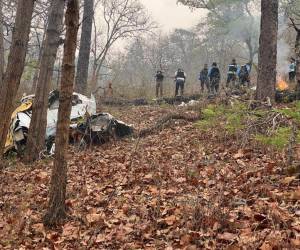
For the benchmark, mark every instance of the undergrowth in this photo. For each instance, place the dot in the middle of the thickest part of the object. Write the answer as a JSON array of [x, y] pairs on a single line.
[[233, 120]]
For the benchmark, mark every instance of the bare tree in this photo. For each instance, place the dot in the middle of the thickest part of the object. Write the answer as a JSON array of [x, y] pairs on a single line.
[[57, 209], [85, 47], [38, 124], [123, 19], [15, 66], [267, 60]]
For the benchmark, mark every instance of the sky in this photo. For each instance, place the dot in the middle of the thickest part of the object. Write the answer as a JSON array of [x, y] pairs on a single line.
[[169, 15]]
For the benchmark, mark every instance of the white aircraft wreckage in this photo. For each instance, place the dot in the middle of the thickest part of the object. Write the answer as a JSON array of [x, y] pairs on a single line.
[[88, 125]]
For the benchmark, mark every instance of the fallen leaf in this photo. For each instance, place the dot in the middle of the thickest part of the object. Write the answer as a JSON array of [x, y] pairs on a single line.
[[170, 220], [266, 246], [39, 228], [94, 218], [295, 242], [70, 231], [288, 180], [185, 240], [295, 195], [239, 154], [226, 236]]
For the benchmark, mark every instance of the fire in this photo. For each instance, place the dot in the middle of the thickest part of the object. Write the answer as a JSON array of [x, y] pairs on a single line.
[[282, 84]]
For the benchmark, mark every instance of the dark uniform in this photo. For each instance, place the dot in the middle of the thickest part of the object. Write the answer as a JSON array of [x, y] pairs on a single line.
[[180, 77], [214, 77], [244, 74], [232, 72], [159, 83], [203, 78]]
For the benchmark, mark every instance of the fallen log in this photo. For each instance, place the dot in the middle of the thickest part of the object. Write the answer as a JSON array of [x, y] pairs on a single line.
[[161, 123], [142, 101], [286, 96], [124, 102], [178, 99]]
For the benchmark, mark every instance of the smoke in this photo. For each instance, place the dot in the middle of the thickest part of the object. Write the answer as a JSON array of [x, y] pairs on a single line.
[[283, 52], [283, 49]]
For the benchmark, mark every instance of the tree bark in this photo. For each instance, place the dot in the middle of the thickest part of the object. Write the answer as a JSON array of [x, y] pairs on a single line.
[[85, 47], [2, 61], [297, 53], [15, 66], [37, 70], [38, 124], [267, 59], [57, 209]]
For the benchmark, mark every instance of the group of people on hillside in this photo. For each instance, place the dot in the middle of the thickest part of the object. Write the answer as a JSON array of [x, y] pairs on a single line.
[[236, 76], [209, 77]]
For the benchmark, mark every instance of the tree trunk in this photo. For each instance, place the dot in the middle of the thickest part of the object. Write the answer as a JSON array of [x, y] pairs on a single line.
[[297, 53], [38, 124], [85, 47], [15, 66], [37, 70], [2, 61], [57, 209], [267, 59], [94, 80]]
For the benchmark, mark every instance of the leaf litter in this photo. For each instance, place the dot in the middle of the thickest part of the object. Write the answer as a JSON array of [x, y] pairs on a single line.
[[179, 188]]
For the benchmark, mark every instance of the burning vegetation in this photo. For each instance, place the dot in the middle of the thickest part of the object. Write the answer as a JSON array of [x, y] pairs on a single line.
[[282, 85]]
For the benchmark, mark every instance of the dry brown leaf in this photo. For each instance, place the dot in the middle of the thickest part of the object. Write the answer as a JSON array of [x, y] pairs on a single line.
[[295, 242], [170, 220], [154, 190], [266, 246], [70, 231], [39, 228], [227, 236], [295, 195], [41, 176], [94, 218], [288, 180], [239, 154], [185, 240]]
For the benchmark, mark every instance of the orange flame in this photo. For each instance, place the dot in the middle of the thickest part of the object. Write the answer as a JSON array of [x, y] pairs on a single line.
[[282, 84]]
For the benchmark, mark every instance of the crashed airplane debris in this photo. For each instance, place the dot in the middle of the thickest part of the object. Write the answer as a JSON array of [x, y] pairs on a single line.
[[92, 127], [99, 128]]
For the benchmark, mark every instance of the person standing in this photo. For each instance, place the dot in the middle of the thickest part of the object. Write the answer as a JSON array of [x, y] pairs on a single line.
[[203, 78], [110, 91], [231, 74], [244, 74], [159, 83], [292, 70], [180, 78], [214, 77]]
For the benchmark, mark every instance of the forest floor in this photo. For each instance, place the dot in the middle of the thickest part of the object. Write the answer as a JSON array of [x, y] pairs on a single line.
[[184, 187]]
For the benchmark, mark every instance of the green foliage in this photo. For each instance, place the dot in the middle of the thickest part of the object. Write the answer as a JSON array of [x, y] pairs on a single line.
[[215, 115], [279, 139], [292, 112], [234, 122], [232, 119], [209, 116]]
